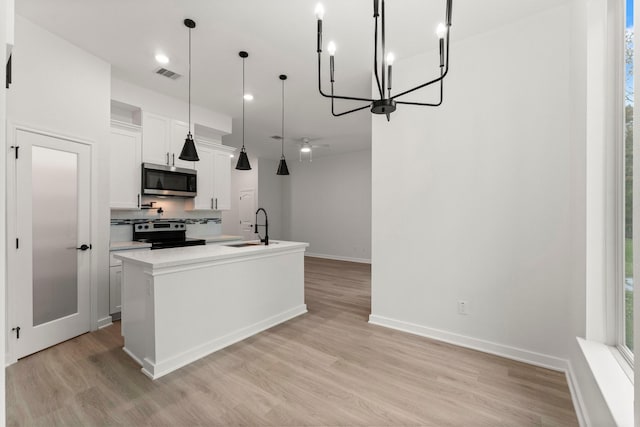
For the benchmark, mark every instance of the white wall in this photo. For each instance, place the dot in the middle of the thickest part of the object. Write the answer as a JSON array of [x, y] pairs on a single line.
[[240, 180], [486, 200], [327, 203], [270, 195], [63, 89]]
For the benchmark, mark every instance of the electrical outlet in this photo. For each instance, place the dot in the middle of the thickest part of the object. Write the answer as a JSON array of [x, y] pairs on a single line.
[[463, 307]]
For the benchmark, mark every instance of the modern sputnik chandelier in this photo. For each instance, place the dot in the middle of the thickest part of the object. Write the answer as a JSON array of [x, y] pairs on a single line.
[[387, 103]]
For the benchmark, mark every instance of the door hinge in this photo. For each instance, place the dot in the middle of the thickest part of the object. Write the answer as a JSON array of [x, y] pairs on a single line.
[[17, 243], [16, 147], [17, 329]]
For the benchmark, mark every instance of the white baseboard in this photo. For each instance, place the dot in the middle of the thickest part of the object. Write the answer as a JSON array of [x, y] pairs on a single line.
[[338, 258], [163, 367], [526, 356], [576, 396], [104, 322]]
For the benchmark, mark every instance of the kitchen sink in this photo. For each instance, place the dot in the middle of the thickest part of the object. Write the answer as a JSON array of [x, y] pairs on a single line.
[[242, 245], [245, 244]]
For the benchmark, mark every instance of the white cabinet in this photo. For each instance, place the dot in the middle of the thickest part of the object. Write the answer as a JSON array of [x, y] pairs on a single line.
[[214, 177], [222, 180], [115, 289], [125, 165], [204, 199], [163, 139], [115, 281]]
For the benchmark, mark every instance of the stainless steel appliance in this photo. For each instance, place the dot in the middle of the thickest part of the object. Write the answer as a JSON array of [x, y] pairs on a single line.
[[163, 180], [164, 234]]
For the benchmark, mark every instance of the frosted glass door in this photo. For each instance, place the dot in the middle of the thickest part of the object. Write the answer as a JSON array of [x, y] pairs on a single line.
[[54, 178], [49, 277]]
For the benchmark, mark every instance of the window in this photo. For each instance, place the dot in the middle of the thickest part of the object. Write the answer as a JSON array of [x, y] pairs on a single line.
[[628, 284]]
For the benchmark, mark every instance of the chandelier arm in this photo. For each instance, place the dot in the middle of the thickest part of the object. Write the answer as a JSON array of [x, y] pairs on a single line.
[[375, 57], [424, 104], [333, 112], [347, 112], [429, 83], [349, 98]]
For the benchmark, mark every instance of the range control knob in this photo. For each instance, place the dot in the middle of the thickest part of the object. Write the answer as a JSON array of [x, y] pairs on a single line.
[[146, 227], [139, 227]]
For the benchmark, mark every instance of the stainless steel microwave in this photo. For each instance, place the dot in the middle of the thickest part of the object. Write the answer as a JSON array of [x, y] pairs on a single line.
[[163, 180]]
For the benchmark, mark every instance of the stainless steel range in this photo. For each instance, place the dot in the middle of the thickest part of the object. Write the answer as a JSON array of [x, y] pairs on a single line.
[[164, 234]]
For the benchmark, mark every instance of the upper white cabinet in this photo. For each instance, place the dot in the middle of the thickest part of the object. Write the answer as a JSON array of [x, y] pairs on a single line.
[[163, 139], [222, 180], [204, 199], [214, 177], [126, 157]]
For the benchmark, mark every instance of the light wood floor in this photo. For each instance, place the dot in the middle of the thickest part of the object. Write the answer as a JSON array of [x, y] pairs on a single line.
[[328, 367]]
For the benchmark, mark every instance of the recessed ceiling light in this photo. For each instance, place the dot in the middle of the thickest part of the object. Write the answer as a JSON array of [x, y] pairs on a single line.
[[248, 97], [231, 156], [162, 59], [305, 150]]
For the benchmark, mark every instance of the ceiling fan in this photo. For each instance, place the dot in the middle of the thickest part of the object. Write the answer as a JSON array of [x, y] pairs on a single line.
[[305, 145]]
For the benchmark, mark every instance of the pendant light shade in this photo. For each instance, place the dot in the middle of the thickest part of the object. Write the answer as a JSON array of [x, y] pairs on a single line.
[[243, 159], [282, 167], [189, 152]]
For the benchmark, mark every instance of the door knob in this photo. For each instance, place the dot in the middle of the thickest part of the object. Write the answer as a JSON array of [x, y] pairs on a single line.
[[84, 247]]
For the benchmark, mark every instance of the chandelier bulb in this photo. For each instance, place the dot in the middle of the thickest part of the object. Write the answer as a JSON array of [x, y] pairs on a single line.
[[390, 58], [331, 48], [319, 11], [441, 31]]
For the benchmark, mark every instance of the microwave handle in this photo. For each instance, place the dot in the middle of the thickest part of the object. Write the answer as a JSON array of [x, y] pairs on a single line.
[[138, 199]]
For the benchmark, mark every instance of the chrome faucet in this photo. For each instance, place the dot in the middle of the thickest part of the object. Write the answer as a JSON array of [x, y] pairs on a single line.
[[265, 225]]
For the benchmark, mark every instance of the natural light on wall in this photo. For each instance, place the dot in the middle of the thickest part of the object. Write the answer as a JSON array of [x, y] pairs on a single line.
[[628, 175]]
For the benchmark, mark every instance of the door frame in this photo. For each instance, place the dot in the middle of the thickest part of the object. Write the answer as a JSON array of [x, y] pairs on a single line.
[[12, 130]]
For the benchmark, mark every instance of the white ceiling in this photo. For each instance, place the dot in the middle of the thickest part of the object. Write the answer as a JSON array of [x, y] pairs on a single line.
[[280, 38]]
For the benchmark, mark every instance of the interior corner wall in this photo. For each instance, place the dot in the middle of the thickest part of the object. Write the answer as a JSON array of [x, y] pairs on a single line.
[[482, 202], [240, 180], [327, 203], [270, 195], [58, 87]]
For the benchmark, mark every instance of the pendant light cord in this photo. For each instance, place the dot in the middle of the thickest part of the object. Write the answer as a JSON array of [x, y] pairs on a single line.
[[243, 101], [283, 119], [189, 80]]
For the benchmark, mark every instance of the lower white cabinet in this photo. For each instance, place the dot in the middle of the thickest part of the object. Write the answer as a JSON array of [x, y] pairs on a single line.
[[115, 289], [115, 281]]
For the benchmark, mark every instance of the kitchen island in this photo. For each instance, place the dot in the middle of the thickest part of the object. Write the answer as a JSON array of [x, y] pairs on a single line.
[[181, 304]]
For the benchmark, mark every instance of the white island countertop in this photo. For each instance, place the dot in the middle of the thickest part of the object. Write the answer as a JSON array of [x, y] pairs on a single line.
[[184, 256]]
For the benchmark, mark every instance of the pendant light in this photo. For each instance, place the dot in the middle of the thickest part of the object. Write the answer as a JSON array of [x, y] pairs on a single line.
[[243, 160], [189, 152], [282, 167]]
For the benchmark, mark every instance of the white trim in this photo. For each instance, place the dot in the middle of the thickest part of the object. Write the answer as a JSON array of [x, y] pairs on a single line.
[[157, 369], [104, 322], [526, 356], [576, 396], [339, 258], [126, 126]]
